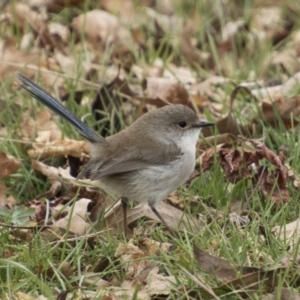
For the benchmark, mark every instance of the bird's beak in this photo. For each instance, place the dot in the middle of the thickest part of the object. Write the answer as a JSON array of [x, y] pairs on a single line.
[[203, 124]]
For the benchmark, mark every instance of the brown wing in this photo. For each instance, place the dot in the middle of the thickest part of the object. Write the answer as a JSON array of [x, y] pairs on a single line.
[[131, 159]]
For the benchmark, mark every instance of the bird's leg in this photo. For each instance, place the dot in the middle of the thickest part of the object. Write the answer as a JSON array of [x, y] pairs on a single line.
[[124, 202], [173, 233]]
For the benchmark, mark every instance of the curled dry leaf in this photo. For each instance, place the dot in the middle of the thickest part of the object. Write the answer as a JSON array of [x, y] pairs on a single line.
[[55, 175], [8, 164], [58, 147], [284, 109], [237, 164]]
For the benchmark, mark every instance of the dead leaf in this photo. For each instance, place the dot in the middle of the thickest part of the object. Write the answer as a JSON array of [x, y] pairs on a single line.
[[90, 278], [100, 27], [60, 34], [75, 221], [282, 109], [169, 91], [237, 163], [42, 125], [65, 268], [209, 88], [55, 175], [194, 56], [289, 233], [219, 267], [58, 147], [8, 164], [237, 278], [133, 259], [4, 200]]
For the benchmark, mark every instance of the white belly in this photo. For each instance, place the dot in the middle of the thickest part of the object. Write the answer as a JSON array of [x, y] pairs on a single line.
[[166, 179]]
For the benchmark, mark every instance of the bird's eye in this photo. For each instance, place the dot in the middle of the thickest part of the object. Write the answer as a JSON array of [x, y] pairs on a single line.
[[182, 124]]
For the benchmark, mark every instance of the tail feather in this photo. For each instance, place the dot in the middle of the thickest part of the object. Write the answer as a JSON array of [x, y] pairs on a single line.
[[49, 101]]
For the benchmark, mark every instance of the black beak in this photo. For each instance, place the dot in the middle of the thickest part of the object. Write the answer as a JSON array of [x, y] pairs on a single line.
[[203, 124]]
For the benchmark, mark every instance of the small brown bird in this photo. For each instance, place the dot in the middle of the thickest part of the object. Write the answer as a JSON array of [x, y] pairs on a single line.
[[144, 162]]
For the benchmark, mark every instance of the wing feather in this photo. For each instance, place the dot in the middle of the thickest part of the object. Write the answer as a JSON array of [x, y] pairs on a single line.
[[131, 159]]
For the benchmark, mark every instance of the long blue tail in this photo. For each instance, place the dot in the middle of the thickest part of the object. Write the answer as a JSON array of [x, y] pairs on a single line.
[[49, 101]]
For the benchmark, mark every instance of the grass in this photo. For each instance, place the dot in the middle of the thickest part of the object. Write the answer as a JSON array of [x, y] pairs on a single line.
[[41, 266]]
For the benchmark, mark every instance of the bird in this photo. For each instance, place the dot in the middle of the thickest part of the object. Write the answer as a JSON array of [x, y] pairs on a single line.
[[144, 162]]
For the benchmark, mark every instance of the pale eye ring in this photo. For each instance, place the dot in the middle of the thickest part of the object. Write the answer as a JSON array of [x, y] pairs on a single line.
[[182, 124]]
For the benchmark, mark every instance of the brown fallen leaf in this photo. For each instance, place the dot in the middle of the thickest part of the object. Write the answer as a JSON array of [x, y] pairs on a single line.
[[133, 259], [4, 200], [237, 278], [254, 281], [42, 127], [75, 221], [207, 159], [100, 28], [229, 124], [65, 268], [169, 91], [8, 164], [219, 267], [194, 56], [142, 275], [55, 175], [58, 147], [284, 109], [273, 183], [288, 233], [237, 164]]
